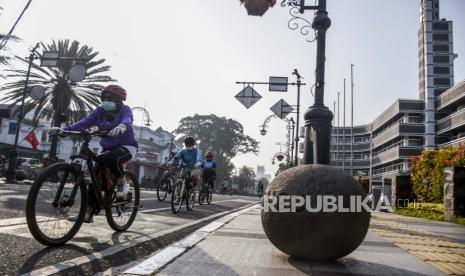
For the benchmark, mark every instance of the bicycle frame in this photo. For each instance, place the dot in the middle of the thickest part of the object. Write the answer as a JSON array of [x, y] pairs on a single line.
[[87, 157]]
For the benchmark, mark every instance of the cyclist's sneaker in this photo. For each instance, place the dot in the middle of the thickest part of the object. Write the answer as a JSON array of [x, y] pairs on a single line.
[[88, 218], [122, 188]]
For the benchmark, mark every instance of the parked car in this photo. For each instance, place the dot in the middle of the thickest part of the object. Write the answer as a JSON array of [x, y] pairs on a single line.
[[30, 166]]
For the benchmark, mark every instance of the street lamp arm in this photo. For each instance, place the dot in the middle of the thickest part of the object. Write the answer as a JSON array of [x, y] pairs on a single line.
[[146, 114]]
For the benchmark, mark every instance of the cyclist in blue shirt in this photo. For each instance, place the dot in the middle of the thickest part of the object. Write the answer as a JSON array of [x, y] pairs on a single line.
[[209, 169], [190, 157]]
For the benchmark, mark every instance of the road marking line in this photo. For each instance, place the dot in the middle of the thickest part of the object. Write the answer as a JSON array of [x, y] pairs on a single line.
[[117, 248], [183, 206], [165, 256], [18, 221]]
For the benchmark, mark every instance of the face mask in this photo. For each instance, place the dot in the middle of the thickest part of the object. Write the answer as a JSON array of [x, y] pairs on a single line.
[[108, 106], [189, 148]]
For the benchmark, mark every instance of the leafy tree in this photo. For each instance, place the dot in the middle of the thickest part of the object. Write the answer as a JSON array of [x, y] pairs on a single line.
[[222, 136], [65, 99], [428, 171], [245, 179]]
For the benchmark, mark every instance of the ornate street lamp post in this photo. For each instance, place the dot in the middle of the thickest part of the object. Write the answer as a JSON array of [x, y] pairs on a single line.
[[318, 117]]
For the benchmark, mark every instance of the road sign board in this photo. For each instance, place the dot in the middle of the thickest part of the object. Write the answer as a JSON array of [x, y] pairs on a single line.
[[281, 108], [248, 96], [278, 84]]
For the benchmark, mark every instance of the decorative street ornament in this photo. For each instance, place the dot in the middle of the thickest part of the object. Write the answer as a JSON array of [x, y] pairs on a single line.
[[248, 96], [77, 73], [37, 92], [257, 7], [281, 108]]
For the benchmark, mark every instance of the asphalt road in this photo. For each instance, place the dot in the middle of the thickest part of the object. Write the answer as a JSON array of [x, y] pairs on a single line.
[[97, 248]]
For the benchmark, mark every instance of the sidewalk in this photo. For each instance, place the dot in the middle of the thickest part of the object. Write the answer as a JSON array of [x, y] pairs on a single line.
[[395, 245]]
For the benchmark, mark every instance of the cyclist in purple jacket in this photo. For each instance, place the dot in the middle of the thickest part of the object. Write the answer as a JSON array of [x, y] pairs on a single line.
[[120, 145]]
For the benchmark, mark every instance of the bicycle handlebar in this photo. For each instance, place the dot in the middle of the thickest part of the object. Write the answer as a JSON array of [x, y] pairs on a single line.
[[83, 134]]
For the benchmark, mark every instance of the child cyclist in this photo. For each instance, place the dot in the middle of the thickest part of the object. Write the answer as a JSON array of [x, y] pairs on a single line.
[[119, 146]]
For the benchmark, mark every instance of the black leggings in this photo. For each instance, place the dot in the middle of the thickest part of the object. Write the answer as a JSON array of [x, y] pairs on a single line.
[[113, 159]]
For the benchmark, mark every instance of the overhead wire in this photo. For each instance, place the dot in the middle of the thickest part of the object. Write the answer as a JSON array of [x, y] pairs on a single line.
[[8, 35]]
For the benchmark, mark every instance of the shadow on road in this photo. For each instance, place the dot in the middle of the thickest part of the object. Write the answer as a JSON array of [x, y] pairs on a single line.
[[42, 257]]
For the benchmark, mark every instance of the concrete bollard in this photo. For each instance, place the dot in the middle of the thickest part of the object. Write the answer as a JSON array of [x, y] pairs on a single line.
[[315, 236]]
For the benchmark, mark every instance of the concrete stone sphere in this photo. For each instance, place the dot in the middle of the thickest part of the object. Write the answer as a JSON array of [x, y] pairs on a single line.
[[315, 236]]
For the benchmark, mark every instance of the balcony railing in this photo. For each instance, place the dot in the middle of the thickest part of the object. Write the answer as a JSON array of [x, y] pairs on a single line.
[[398, 129], [452, 121], [396, 153]]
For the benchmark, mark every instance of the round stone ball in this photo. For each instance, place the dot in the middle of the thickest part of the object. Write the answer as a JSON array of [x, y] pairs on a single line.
[[315, 236]]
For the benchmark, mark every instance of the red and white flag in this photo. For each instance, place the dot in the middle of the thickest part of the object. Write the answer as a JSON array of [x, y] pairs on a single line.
[[32, 139]]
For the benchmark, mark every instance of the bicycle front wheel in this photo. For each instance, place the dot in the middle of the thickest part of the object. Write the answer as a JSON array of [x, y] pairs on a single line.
[[56, 204], [121, 213], [177, 196]]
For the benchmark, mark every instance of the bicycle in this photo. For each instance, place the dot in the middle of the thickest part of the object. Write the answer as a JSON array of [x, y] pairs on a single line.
[[60, 190], [183, 191], [205, 192], [165, 187]]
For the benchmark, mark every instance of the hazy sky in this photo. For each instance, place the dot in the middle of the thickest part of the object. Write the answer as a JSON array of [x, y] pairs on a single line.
[[183, 59]]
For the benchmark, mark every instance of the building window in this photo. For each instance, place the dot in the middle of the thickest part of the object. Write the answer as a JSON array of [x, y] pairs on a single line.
[[441, 25], [12, 127], [441, 81], [441, 70], [441, 59], [43, 138], [441, 48], [441, 37], [438, 92]]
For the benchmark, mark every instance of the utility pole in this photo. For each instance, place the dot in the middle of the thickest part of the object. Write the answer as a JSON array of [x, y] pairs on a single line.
[[344, 128], [299, 83], [338, 124], [334, 137], [292, 145], [11, 172], [352, 120]]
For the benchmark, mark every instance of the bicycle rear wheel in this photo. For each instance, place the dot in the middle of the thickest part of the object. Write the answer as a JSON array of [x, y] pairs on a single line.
[[190, 198], [122, 212], [163, 189], [58, 194], [202, 195], [177, 196], [209, 196]]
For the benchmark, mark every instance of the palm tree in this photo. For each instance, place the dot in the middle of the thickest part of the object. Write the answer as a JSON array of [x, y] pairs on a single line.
[[65, 100]]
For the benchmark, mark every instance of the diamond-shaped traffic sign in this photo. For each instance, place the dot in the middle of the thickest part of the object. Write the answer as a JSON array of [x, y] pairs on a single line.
[[281, 108], [248, 96]]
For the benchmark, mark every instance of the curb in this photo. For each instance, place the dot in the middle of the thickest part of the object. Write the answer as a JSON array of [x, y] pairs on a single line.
[[57, 268], [160, 259]]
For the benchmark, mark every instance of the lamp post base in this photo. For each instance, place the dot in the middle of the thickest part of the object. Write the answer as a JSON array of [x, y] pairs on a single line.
[[318, 120]]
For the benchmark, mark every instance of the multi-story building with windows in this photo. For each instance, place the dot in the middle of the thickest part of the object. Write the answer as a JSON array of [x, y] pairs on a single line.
[[382, 150]]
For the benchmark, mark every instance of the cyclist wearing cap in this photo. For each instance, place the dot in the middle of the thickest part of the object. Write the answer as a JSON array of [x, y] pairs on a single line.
[[209, 169], [191, 157], [120, 145]]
